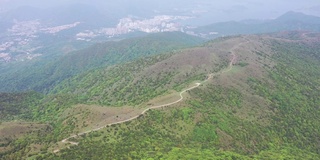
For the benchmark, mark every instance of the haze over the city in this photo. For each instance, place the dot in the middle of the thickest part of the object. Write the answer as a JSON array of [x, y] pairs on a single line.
[[205, 11], [28, 27]]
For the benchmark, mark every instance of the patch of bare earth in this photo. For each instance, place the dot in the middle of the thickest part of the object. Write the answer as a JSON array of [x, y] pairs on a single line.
[[88, 117], [182, 65], [171, 96], [16, 129]]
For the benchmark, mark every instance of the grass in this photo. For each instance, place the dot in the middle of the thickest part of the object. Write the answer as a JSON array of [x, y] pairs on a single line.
[[235, 69], [229, 116], [17, 129], [11, 131]]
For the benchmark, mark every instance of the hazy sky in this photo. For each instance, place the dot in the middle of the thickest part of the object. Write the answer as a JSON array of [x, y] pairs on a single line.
[[209, 10]]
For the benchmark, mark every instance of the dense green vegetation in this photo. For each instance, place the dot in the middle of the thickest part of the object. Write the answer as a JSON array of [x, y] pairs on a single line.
[[17, 105], [118, 85], [182, 133], [206, 125], [44, 75], [294, 94], [48, 108]]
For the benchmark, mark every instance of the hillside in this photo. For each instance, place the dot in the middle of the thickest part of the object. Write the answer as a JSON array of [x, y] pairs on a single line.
[[290, 21], [138, 81], [13, 105], [266, 107], [263, 105], [43, 75]]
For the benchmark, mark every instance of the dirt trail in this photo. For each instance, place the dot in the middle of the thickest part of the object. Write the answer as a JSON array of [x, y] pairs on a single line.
[[210, 76]]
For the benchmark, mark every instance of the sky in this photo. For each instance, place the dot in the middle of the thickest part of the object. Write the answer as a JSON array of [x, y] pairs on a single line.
[[206, 10]]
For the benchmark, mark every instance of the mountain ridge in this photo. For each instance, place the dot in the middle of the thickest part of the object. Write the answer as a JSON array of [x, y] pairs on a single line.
[[265, 107], [43, 75], [289, 21]]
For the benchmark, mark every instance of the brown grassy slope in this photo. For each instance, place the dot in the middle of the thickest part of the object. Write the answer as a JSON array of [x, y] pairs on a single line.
[[86, 117], [139, 81], [255, 55], [254, 60]]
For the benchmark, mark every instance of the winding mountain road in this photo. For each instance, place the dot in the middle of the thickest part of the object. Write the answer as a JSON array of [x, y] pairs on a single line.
[[210, 76]]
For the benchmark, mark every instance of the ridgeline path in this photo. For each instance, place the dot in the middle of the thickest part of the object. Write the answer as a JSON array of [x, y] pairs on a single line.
[[210, 76]]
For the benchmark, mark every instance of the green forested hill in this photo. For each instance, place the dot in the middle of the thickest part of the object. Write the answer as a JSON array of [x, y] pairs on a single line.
[[139, 81], [265, 107], [17, 105], [44, 75]]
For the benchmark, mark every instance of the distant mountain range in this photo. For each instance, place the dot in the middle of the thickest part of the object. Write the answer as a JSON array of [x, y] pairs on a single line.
[[27, 33], [288, 22], [53, 50]]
